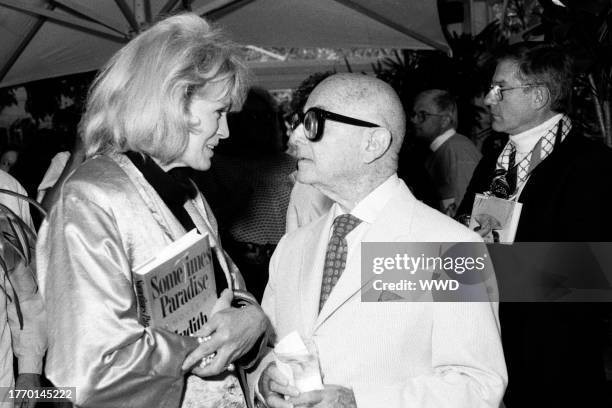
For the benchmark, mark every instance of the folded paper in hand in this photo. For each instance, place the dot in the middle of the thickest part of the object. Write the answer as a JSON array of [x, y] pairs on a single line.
[[499, 216], [298, 363]]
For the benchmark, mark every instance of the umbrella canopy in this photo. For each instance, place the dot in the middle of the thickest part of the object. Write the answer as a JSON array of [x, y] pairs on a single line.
[[45, 38]]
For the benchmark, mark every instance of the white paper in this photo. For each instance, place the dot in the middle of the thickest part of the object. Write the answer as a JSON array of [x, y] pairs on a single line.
[[297, 363]]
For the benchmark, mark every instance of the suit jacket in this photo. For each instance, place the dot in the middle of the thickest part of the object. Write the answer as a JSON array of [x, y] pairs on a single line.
[[396, 354], [107, 221], [567, 197], [554, 352]]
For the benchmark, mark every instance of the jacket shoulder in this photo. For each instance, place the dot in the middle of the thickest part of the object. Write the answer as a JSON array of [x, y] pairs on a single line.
[[580, 147], [97, 180], [463, 140], [407, 219]]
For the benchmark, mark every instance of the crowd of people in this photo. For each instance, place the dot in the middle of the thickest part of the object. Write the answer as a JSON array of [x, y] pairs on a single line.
[[290, 229]]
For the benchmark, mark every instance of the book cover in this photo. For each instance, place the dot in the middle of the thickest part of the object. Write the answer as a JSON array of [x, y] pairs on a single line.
[[497, 214], [176, 289]]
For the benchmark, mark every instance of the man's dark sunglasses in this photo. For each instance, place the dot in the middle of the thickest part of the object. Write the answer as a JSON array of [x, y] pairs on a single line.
[[314, 122]]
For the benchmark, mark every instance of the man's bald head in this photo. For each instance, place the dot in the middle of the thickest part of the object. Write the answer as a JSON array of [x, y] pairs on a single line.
[[365, 98], [349, 161]]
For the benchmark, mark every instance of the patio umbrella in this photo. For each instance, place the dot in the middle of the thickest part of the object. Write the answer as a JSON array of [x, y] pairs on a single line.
[[50, 38]]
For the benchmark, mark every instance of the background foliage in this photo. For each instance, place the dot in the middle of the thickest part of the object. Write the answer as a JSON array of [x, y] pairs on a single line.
[[581, 26]]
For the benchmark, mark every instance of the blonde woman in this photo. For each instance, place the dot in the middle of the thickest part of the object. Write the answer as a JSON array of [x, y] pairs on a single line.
[[157, 107]]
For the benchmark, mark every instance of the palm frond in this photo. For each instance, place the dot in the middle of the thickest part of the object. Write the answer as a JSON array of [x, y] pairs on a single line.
[[15, 298], [17, 239], [17, 308], [25, 198], [19, 234], [4, 278]]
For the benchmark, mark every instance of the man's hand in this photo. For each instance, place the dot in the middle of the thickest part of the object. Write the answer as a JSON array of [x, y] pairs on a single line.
[[228, 335], [332, 396], [483, 231], [26, 381], [487, 226], [273, 386]]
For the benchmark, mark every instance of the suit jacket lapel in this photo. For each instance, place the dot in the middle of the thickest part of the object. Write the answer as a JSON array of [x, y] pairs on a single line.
[[311, 270], [398, 211], [347, 286]]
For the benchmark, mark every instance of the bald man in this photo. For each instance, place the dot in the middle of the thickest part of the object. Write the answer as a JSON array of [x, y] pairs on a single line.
[[391, 355]]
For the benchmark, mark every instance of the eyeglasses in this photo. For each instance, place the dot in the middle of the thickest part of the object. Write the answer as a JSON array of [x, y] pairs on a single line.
[[498, 91], [314, 122], [421, 116]]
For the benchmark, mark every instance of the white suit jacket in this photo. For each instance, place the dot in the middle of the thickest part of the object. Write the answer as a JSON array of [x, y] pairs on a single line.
[[400, 354]]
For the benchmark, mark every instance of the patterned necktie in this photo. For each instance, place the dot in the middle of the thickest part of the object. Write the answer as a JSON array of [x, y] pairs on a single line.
[[508, 175], [335, 256]]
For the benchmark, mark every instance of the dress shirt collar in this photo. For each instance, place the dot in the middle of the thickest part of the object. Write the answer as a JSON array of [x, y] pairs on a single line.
[[368, 209], [525, 141], [440, 140]]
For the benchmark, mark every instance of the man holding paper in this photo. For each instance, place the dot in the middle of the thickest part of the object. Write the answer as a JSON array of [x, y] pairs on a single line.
[[554, 351], [400, 354]]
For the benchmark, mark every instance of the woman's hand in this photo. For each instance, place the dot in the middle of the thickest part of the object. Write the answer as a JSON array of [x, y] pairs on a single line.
[[228, 335]]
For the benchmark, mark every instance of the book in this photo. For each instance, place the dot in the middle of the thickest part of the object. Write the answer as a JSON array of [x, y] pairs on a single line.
[[176, 289], [502, 216]]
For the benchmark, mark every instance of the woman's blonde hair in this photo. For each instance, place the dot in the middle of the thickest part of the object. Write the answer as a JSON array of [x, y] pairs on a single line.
[[140, 100]]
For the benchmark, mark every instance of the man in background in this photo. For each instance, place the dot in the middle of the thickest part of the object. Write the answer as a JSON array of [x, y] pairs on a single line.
[[554, 351], [452, 157]]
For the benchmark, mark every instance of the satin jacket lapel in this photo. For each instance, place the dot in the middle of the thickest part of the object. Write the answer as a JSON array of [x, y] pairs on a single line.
[[390, 226], [168, 223], [311, 270]]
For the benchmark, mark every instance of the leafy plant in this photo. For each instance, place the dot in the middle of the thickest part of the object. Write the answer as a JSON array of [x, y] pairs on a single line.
[[46, 97], [17, 241], [583, 28], [7, 98], [466, 73], [517, 17]]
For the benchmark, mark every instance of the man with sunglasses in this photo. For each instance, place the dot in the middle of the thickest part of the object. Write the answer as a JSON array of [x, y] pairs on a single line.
[[372, 355], [452, 157], [554, 351], [306, 202]]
